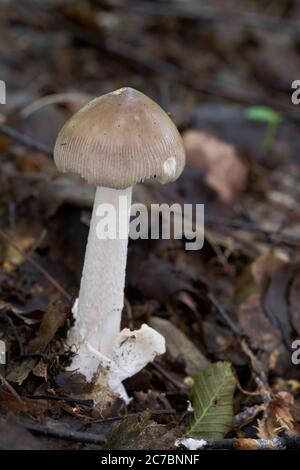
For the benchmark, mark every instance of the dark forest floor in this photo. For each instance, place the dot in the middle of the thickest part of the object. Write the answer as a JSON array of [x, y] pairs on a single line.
[[236, 300]]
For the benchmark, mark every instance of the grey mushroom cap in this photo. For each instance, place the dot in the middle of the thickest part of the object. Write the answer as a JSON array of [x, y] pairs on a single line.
[[120, 139]]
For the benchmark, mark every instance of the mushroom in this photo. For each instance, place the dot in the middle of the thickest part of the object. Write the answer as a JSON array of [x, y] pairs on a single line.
[[114, 142]]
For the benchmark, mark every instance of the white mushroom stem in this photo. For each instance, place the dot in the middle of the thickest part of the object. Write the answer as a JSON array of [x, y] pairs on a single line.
[[101, 293], [100, 346]]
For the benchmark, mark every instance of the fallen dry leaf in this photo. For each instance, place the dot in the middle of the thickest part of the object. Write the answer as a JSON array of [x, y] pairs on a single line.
[[224, 172], [139, 432], [275, 302], [277, 416], [53, 319], [18, 372], [264, 336], [294, 302]]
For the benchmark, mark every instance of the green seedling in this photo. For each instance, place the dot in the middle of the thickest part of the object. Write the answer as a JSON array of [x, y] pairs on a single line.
[[271, 118]]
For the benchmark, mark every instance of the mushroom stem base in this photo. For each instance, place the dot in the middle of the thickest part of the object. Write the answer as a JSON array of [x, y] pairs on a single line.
[[132, 351]]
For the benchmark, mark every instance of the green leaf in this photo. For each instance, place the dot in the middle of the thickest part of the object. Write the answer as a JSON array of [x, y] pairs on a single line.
[[262, 113], [212, 400]]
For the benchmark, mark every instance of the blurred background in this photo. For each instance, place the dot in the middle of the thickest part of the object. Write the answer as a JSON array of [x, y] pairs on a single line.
[[224, 71]]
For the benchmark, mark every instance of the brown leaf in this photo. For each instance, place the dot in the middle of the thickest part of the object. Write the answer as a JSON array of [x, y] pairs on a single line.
[[257, 326], [277, 416], [73, 383], [139, 432], [19, 372], [275, 301], [264, 336], [223, 170], [53, 319], [263, 267], [40, 370], [294, 301], [270, 280]]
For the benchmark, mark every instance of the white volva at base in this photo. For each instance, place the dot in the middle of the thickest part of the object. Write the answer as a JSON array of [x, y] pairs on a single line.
[[132, 351]]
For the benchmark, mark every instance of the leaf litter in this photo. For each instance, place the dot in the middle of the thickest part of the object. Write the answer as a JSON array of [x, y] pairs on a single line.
[[249, 262]]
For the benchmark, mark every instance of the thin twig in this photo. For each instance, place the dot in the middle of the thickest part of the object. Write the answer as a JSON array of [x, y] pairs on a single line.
[[166, 374], [10, 388], [39, 268], [63, 433], [75, 401], [224, 314], [240, 444], [246, 416], [25, 140], [287, 440], [76, 436]]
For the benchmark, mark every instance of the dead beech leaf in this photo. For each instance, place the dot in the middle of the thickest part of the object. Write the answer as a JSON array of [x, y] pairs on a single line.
[[53, 319], [263, 267], [275, 302], [224, 172], [257, 326], [179, 346], [277, 416], [18, 372], [40, 370], [278, 300], [265, 337], [73, 383], [140, 432]]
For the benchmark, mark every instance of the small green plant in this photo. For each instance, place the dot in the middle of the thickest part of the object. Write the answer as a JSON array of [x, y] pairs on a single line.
[[271, 118], [212, 400]]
